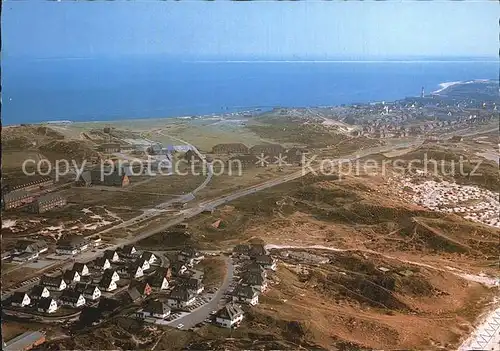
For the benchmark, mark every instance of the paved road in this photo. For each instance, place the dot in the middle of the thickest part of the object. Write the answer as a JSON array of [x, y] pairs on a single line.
[[201, 313]]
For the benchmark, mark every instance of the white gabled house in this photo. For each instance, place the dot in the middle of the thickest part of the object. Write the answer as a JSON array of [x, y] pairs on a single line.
[[71, 277], [229, 316], [111, 255], [102, 263], [72, 298], [39, 292], [47, 305], [107, 284], [112, 274], [149, 256], [143, 263], [90, 292], [246, 294], [81, 268], [156, 309], [54, 283], [181, 297], [20, 299]]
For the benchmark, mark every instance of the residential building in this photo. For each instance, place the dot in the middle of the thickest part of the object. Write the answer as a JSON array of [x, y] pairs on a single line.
[[71, 277], [266, 261], [156, 309], [25, 256], [128, 251], [16, 199], [112, 274], [149, 256], [90, 292], [230, 148], [143, 263], [47, 202], [102, 263], [164, 271], [38, 292], [72, 298], [241, 250], [132, 270], [81, 268], [107, 284], [53, 283], [246, 294], [108, 177], [158, 281], [255, 280], [253, 267], [20, 299], [190, 255], [31, 246], [139, 289], [25, 341], [96, 240], [32, 184], [47, 305], [192, 284], [178, 268], [181, 297], [72, 245], [229, 316], [111, 255]]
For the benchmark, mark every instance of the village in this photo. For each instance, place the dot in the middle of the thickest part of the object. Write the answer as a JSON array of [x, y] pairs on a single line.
[[162, 288], [471, 202]]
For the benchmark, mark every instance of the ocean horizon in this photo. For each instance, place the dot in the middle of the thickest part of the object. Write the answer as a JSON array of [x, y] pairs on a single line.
[[81, 90]]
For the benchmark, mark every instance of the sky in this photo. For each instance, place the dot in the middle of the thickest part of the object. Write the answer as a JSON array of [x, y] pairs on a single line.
[[223, 30]]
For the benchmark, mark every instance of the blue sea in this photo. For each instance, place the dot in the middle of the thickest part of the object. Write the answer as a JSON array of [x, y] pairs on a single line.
[[112, 89]]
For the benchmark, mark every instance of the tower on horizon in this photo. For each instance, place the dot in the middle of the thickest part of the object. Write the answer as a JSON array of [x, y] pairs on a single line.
[[422, 92]]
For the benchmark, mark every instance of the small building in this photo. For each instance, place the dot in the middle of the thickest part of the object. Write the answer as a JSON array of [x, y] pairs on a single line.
[[230, 148], [254, 267], [149, 256], [90, 292], [108, 177], [128, 251], [20, 299], [38, 292], [107, 284], [266, 261], [39, 183], [102, 263], [158, 281], [53, 283], [242, 251], [229, 316], [47, 305], [72, 298], [38, 246], [112, 274], [132, 270], [47, 202], [25, 257], [156, 309], [71, 277], [255, 280], [178, 268], [246, 294], [111, 255], [16, 199], [110, 148], [25, 341], [181, 297], [96, 240], [190, 256], [81, 268], [72, 245], [139, 288], [192, 284]]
